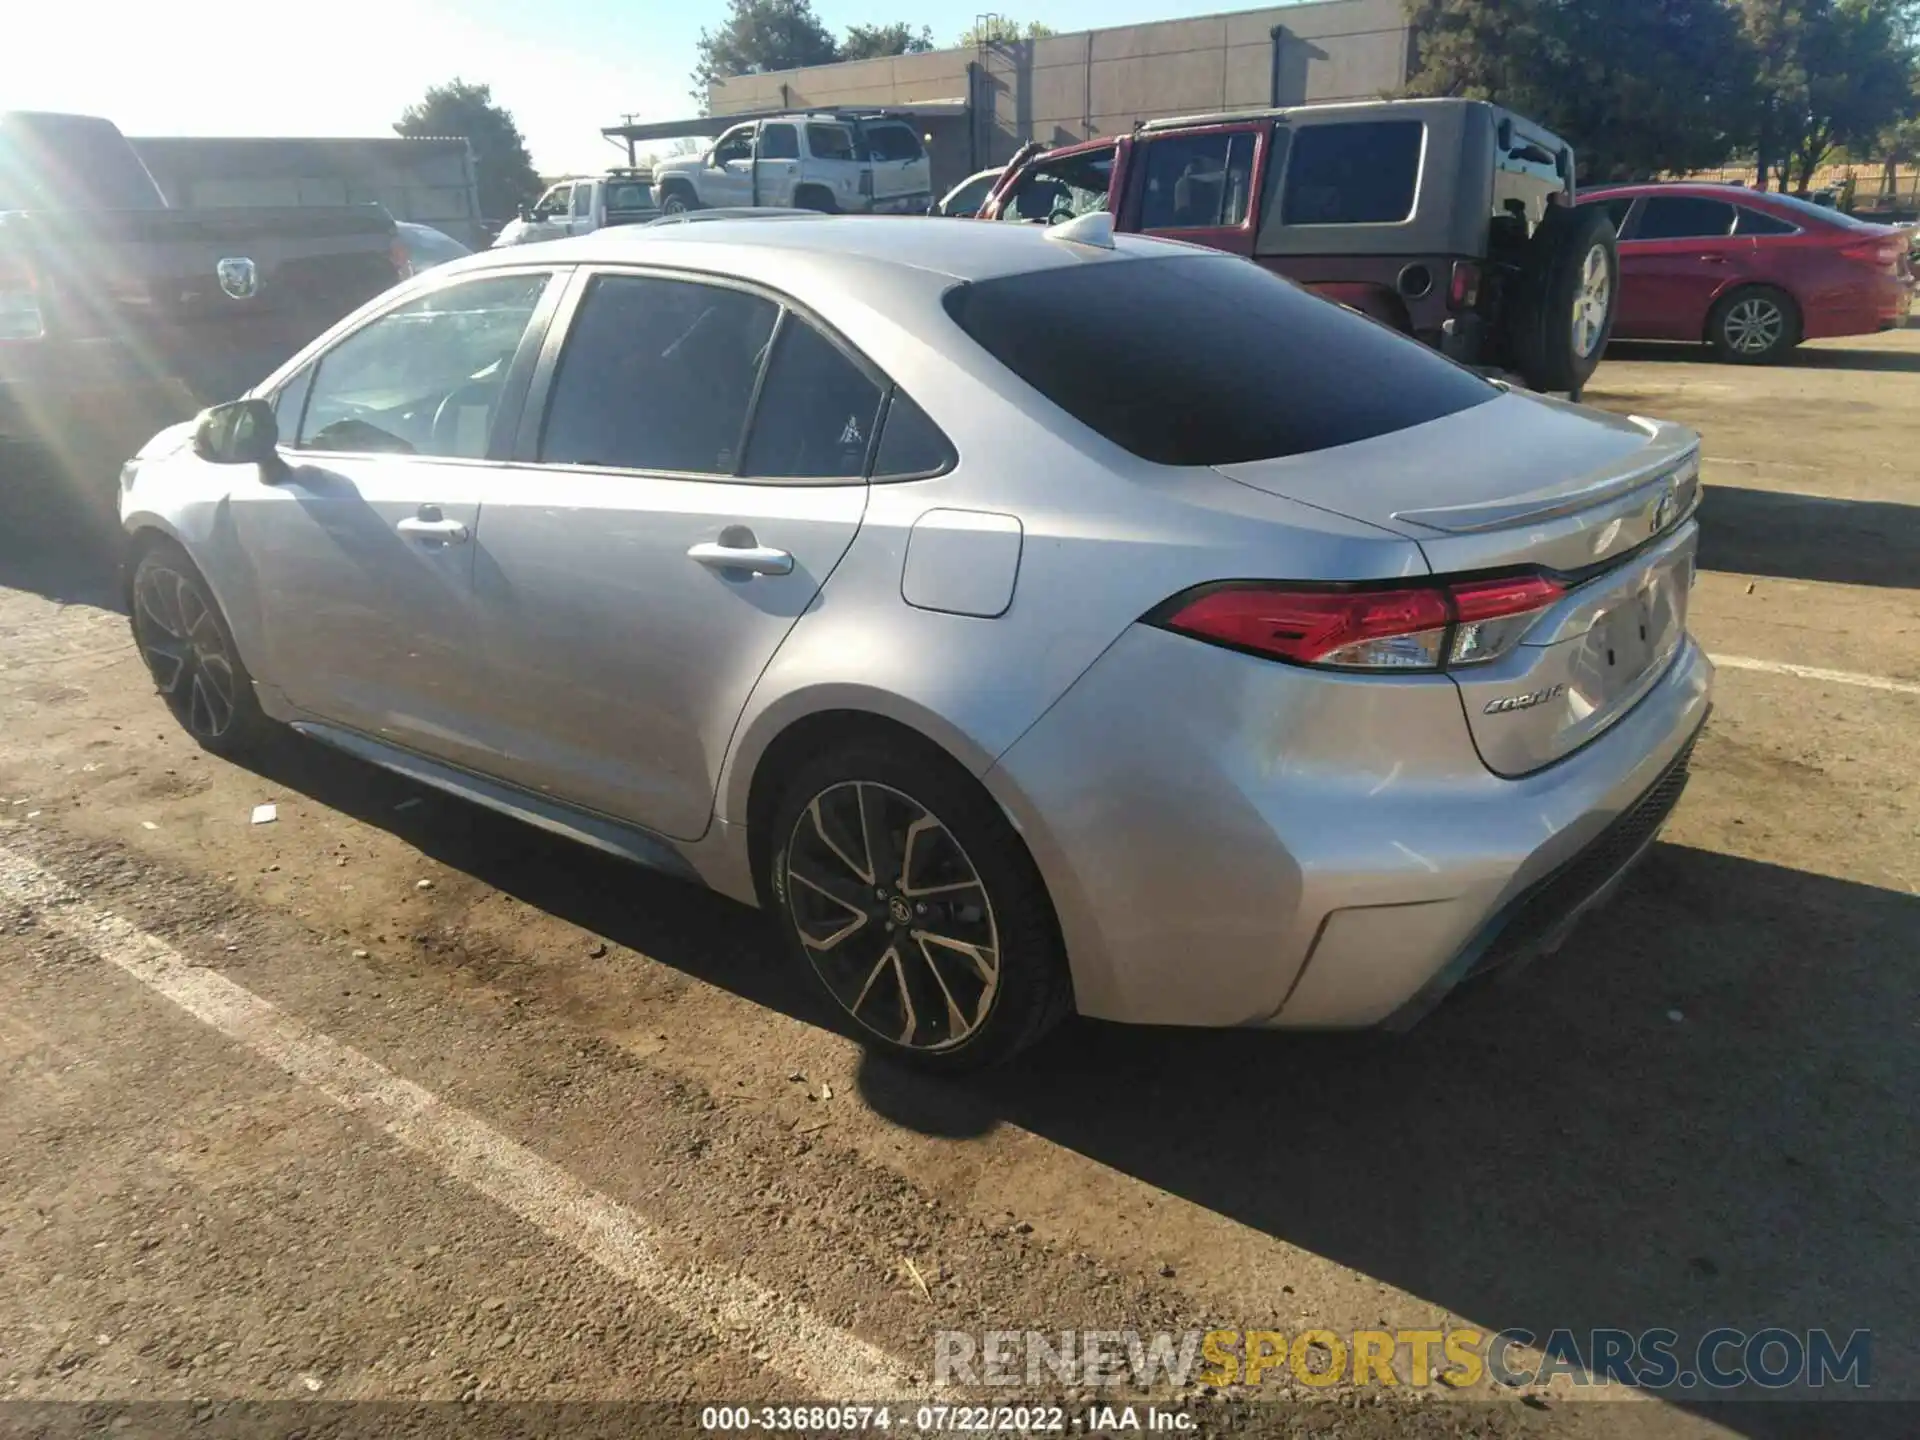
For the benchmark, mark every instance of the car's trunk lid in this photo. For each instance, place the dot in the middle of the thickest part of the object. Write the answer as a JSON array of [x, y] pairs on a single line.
[[1601, 502]]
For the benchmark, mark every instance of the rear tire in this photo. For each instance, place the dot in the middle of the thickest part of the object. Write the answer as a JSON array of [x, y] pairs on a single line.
[[1754, 325], [812, 197], [1564, 303], [189, 651], [895, 878]]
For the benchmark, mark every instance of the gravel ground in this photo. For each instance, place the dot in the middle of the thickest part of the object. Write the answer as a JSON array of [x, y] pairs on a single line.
[[1698, 1114]]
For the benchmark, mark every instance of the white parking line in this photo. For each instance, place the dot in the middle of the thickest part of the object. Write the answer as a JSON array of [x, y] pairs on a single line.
[[825, 1359], [1810, 672]]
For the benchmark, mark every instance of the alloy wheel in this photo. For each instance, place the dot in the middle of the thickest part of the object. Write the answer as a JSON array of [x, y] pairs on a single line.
[[186, 651], [1591, 303], [893, 915], [1754, 325]]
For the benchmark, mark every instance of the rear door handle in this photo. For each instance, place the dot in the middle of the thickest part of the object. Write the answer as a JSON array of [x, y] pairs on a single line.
[[447, 532], [1714, 259], [752, 558]]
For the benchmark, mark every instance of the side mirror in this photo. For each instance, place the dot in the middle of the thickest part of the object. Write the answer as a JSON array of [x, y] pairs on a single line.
[[241, 432], [525, 212]]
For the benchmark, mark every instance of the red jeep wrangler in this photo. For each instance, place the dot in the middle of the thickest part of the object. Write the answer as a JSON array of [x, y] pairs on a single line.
[[1450, 220]]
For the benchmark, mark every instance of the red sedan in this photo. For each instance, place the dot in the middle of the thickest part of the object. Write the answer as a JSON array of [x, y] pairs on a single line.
[[1749, 272]]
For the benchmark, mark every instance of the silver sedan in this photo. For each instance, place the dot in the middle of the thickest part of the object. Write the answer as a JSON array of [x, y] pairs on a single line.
[[1033, 621]]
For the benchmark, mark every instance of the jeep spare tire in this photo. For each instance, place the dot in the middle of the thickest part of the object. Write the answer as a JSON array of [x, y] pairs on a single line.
[[1568, 286]]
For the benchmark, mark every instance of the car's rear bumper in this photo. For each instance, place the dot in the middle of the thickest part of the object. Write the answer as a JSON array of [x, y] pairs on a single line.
[[1880, 303], [1232, 841]]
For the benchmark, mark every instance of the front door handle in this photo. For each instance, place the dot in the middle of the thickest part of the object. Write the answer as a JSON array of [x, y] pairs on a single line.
[[741, 553], [447, 532], [1714, 259]]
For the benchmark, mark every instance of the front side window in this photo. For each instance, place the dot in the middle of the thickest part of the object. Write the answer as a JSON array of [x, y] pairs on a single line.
[[657, 375], [830, 142], [1062, 189], [1364, 173], [736, 144], [1197, 182], [817, 410], [553, 203], [1682, 217], [893, 142], [968, 199], [779, 142], [425, 379], [1208, 360]]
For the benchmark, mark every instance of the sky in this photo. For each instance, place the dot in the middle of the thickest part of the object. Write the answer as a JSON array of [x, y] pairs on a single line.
[[349, 67]]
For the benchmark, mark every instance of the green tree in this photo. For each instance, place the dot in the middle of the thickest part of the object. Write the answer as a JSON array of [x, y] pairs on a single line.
[[1001, 31], [1637, 87], [869, 42], [1826, 73], [503, 170], [760, 35]]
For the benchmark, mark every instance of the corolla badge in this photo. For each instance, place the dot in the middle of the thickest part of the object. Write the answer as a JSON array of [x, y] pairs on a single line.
[[239, 277], [1507, 704]]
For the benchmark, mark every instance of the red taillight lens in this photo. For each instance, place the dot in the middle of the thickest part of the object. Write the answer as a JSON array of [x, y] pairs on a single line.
[[1882, 251], [20, 314], [1423, 628], [1463, 288]]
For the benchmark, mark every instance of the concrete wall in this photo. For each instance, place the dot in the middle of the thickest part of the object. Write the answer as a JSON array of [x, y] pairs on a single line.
[[430, 181], [1099, 82]]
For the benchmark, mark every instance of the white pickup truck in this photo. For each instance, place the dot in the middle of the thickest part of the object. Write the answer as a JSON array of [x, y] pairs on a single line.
[[579, 207], [831, 161]]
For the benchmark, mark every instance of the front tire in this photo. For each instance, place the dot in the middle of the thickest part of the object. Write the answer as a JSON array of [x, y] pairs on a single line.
[[900, 884], [1754, 326], [189, 651], [676, 201]]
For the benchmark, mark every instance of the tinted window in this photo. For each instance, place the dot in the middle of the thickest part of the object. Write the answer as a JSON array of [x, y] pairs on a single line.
[[289, 403], [425, 379], [1616, 209], [1822, 213], [630, 195], [910, 443], [817, 410], [1757, 222], [1208, 361], [830, 142], [893, 142], [1197, 181], [657, 375], [734, 145], [1676, 217], [1361, 174], [779, 142], [1061, 189]]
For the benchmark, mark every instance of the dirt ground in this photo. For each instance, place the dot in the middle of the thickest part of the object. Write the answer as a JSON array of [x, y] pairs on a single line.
[[497, 1118]]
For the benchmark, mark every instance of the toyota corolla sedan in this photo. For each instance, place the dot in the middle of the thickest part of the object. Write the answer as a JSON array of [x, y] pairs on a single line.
[[1032, 621]]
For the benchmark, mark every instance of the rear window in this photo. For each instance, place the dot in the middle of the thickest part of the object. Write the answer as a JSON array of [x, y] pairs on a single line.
[[630, 195], [893, 142], [1208, 361], [1366, 173], [1822, 212]]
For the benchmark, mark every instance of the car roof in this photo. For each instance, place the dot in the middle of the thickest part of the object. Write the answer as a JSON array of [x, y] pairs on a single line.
[[1709, 189], [750, 247]]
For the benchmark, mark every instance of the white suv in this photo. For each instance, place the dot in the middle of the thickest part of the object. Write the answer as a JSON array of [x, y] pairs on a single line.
[[830, 162]]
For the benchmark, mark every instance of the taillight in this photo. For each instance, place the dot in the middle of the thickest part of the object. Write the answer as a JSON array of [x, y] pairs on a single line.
[[20, 313], [402, 261], [1427, 627], [1463, 287], [1881, 251]]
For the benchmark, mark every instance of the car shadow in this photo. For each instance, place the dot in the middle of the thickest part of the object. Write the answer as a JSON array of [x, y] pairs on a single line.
[[1815, 355], [1809, 537], [1690, 1117], [51, 542]]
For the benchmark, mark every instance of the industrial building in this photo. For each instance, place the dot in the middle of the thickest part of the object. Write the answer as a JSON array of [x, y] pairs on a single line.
[[978, 105]]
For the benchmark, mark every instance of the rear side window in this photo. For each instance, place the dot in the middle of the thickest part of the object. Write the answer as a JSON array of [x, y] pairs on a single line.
[[779, 142], [911, 445], [1682, 217], [1197, 182], [1208, 360], [1756, 222], [817, 410], [893, 142], [657, 375], [830, 142], [1366, 173]]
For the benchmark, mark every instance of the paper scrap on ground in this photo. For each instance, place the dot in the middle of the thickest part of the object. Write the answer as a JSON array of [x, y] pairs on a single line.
[[265, 814]]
